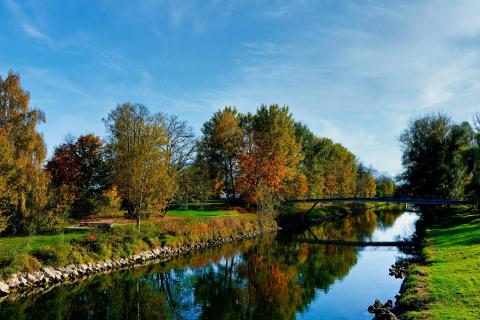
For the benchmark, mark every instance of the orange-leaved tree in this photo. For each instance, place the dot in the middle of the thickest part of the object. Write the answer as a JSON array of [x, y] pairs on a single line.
[[268, 169]]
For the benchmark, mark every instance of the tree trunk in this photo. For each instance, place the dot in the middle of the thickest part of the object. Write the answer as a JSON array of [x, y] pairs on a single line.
[[138, 221]]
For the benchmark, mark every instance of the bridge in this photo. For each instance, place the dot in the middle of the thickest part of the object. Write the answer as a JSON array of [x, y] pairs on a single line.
[[396, 200]]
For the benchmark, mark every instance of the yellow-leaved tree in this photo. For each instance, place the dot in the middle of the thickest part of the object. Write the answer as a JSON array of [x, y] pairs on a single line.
[[23, 183], [140, 158]]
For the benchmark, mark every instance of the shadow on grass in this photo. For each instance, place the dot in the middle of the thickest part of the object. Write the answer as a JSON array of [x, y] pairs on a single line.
[[459, 228]]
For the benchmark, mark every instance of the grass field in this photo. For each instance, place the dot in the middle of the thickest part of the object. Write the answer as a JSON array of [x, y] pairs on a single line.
[[201, 213], [448, 285]]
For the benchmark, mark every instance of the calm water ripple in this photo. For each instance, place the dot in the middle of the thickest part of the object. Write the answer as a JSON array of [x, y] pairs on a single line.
[[280, 276]]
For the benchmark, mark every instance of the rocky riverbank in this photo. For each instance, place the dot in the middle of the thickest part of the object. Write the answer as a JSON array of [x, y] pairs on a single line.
[[47, 278]]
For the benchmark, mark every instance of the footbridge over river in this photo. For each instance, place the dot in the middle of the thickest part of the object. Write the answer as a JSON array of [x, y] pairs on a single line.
[[395, 200]]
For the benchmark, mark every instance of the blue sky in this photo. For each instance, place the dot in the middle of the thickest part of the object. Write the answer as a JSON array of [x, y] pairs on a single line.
[[354, 71]]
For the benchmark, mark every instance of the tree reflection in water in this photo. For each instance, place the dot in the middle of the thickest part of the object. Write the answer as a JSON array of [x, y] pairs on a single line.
[[270, 278]]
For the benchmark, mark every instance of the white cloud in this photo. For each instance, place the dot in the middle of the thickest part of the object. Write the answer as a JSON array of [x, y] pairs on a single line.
[[366, 74]]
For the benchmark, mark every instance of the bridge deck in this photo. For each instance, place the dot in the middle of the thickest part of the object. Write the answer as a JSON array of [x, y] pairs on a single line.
[[416, 201]]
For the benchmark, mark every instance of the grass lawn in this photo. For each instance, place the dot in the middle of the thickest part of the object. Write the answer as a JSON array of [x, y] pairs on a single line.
[[200, 213], [449, 283], [31, 243]]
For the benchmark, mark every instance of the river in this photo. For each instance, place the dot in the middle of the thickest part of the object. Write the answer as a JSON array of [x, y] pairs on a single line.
[[279, 276]]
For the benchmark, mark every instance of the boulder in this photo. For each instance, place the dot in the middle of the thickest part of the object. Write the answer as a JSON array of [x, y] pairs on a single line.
[[13, 282], [31, 278], [49, 273], [382, 311], [23, 281], [4, 289]]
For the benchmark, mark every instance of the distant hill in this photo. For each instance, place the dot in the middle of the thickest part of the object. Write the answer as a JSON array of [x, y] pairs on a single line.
[[376, 174]]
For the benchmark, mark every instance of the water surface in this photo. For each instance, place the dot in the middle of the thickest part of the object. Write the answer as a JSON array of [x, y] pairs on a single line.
[[280, 276]]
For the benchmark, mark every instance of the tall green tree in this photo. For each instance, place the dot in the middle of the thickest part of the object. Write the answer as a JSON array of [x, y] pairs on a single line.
[[195, 183], [25, 151], [433, 158], [473, 156], [312, 164], [385, 186], [220, 146], [138, 150]]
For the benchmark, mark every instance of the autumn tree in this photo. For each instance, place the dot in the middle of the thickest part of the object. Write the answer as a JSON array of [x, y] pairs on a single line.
[[79, 174], [7, 173], [365, 185], [65, 177], [140, 159], [339, 169], [221, 145], [23, 156], [269, 161]]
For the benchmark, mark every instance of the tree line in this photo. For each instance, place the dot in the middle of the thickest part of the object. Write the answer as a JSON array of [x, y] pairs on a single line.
[[441, 158], [151, 161]]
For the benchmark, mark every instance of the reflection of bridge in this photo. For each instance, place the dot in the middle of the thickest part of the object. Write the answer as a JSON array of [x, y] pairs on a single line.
[[361, 243], [398, 200], [355, 243]]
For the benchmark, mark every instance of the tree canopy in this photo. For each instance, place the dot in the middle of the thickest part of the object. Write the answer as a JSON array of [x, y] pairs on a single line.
[[140, 159], [22, 153], [433, 158]]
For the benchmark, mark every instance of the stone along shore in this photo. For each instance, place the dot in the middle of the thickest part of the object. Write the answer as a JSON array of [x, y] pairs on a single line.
[[47, 278]]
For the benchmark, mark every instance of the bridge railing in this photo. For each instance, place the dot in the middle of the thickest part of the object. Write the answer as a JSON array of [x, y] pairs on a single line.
[[387, 197]]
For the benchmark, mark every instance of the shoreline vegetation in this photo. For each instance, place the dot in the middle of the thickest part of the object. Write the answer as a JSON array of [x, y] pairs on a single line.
[[83, 245], [445, 284]]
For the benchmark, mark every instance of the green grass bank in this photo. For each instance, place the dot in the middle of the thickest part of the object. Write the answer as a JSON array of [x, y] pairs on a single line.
[[447, 284], [74, 246]]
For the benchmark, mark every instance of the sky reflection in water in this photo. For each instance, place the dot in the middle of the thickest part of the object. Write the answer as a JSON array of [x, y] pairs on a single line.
[[277, 277]]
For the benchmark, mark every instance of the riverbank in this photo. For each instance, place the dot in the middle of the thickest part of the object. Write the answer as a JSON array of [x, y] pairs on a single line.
[[446, 284], [47, 278], [80, 246]]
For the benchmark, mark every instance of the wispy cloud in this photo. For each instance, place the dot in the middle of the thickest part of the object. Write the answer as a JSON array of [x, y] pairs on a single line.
[[356, 72], [25, 21], [374, 66]]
